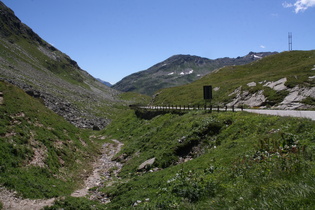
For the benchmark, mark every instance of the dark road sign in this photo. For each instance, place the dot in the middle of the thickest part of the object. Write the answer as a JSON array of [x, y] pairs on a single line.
[[207, 92]]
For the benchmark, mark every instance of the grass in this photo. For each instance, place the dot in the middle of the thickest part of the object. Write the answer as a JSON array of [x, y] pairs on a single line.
[[202, 160], [239, 160], [70, 203], [309, 101], [28, 128], [135, 98]]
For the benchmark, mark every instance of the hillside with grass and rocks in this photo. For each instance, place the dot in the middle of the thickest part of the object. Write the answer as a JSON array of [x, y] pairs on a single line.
[[281, 81], [29, 62], [179, 70], [67, 141]]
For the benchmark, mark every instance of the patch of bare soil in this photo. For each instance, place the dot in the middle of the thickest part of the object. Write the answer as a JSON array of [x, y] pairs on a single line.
[[104, 171], [11, 201]]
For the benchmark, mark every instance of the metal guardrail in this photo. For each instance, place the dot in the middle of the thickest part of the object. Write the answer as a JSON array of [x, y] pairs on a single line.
[[209, 108]]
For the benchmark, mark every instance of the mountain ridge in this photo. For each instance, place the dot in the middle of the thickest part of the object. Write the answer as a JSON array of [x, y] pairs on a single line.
[[282, 81], [178, 70], [49, 74]]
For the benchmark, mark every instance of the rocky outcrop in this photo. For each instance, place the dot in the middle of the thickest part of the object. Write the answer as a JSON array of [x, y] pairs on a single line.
[[245, 98], [295, 97], [63, 108], [277, 85], [293, 100]]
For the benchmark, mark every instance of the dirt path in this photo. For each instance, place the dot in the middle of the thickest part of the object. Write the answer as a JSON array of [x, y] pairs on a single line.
[[104, 170], [10, 201]]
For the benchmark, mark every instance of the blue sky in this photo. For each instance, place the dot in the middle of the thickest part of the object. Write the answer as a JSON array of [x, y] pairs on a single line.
[[112, 39]]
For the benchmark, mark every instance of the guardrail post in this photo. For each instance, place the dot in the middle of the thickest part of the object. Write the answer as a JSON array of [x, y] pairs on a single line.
[[218, 109], [233, 108], [210, 108], [225, 108]]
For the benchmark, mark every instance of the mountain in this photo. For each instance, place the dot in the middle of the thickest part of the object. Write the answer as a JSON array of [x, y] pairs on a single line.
[[44, 72], [179, 70], [105, 83], [193, 160], [285, 81]]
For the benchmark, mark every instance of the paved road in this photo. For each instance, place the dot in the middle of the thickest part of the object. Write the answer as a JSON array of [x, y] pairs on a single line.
[[292, 113]]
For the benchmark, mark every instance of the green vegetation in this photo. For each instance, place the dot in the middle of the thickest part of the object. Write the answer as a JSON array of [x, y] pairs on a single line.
[[70, 203], [294, 65], [201, 160], [41, 155], [236, 160], [309, 101], [274, 97], [135, 98]]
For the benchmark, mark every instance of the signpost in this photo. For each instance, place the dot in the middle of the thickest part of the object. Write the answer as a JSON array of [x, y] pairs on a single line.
[[207, 94]]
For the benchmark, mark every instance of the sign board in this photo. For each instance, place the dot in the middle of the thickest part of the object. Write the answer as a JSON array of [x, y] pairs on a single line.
[[207, 92]]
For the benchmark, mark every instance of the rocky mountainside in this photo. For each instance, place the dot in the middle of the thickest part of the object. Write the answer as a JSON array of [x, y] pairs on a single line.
[[179, 70], [44, 72]]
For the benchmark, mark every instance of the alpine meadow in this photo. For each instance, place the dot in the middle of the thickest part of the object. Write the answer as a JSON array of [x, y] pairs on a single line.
[[68, 141]]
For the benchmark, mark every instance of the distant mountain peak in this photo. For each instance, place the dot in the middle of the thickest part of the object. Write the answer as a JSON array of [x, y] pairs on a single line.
[[177, 70], [105, 83]]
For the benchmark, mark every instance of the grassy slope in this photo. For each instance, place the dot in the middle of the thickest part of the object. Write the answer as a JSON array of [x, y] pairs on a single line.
[[26, 58], [240, 161], [295, 66], [28, 129]]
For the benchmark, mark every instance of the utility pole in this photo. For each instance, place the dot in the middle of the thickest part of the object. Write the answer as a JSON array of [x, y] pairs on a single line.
[[290, 41]]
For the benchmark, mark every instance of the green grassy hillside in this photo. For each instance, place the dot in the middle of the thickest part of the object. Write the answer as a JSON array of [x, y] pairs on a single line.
[[41, 154], [201, 160], [296, 66], [43, 71], [212, 161]]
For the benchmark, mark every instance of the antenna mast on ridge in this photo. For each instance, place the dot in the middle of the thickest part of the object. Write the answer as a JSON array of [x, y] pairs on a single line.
[[290, 41]]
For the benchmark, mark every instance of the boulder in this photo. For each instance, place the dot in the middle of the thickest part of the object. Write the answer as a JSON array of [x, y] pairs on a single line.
[[146, 164]]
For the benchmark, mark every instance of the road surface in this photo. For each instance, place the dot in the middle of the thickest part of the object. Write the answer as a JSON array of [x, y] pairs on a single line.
[[291, 113]]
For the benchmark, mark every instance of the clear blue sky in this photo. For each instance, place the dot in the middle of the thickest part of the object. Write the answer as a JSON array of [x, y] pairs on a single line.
[[112, 39]]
